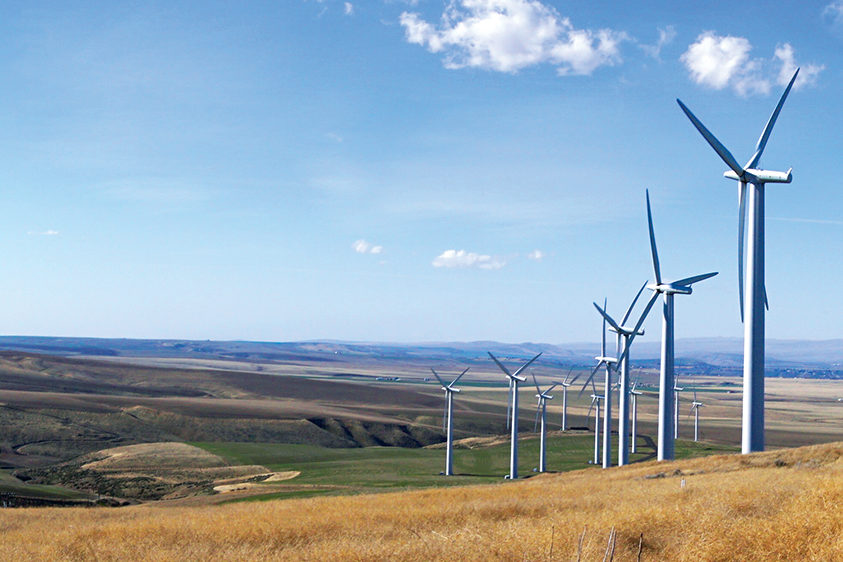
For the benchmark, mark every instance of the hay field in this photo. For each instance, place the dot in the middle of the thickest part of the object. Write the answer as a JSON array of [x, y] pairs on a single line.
[[778, 505]]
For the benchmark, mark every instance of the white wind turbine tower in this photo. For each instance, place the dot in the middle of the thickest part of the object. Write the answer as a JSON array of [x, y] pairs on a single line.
[[541, 410], [514, 379], [449, 424], [634, 394], [565, 384], [666, 375], [676, 390], [626, 334], [607, 362], [752, 308], [695, 409]]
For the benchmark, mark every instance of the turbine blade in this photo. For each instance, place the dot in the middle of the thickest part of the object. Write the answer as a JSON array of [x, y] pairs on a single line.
[[603, 349], [495, 359], [573, 380], [766, 302], [590, 379], [718, 147], [525, 365], [535, 382], [655, 253], [741, 234], [458, 377], [435, 374], [606, 317], [588, 414], [695, 279], [638, 325], [554, 385], [538, 410], [631, 306], [765, 135]]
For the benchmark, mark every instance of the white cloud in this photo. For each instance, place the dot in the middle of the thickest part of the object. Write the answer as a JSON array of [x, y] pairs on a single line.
[[508, 35], [49, 232], [363, 247], [833, 13], [334, 136], [807, 73], [718, 62], [348, 8], [463, 259], [666, 36], [536, 255]]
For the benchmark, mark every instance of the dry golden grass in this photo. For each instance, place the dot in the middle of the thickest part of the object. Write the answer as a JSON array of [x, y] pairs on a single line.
[[779, 505]]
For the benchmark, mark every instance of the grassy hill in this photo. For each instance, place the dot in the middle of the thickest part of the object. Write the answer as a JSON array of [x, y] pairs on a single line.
[[778, 505]]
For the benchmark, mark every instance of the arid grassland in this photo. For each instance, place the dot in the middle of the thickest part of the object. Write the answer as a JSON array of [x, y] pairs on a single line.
[[778, 505]]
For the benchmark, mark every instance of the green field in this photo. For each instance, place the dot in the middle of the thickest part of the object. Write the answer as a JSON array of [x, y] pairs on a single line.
[[11, 485], [376, 469]]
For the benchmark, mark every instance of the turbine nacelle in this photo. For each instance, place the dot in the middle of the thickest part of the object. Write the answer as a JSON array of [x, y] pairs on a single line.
[[603, 359], [626, 331], [751, 175], [670, 288]]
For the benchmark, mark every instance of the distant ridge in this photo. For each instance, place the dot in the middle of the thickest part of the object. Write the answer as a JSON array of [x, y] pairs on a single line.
[[704, 354]]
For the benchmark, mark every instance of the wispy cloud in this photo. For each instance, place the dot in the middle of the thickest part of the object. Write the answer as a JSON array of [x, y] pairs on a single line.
[[348, 8], [334, 136], [363, 247], [537, 255], [724, 61], [48, 232], [666, 36], [508, 35], [463, 259], [833, 13]]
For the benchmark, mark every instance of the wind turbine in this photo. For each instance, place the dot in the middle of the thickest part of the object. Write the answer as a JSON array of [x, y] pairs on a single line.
[[626, 334], [695, 409], [449, 424], [676, 390], [514, 379], [666, 374], [595, 404], [604, 361], [565, 384], [634, 394], [541, 409], [752, 307]]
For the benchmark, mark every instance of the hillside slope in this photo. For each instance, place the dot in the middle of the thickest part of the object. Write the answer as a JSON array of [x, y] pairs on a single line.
[[779, 505]]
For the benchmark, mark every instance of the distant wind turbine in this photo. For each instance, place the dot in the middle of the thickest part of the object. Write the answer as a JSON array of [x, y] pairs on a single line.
[[665, 449], [595, 405], [625, 334], [634, 394], [565, 384], [541, 411], [449, 423], [695, 409], [604, 361], [676, 390], [752, 308], [514, 379]]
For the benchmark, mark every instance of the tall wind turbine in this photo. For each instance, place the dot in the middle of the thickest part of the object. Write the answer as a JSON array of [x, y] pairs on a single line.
[[449, 424], [634, 394], [565, 384], [541, 410], [695, 409], [626, 334], [604, 361], [666, 375], [676, 390], [752, 307], [514, 379]]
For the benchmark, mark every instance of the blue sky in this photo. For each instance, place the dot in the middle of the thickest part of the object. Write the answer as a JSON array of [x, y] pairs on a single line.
[[406, 171]]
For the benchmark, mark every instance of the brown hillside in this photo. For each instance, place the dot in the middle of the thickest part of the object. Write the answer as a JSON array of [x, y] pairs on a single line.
[[780, 505]]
